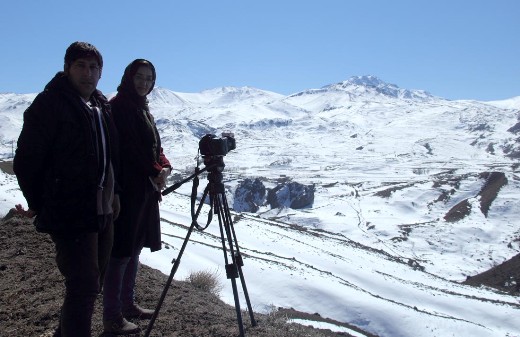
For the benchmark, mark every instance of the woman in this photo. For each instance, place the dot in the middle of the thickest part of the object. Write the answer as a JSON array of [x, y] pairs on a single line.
[[143, 172]]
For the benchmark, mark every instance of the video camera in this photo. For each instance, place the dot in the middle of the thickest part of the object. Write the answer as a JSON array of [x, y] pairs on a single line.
[[211, 145]]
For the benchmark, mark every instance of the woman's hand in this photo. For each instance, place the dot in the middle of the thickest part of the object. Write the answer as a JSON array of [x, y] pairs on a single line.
[[160, 180]]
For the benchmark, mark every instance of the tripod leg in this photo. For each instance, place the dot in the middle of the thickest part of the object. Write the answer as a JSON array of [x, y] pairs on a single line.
[[238, 260], [231, 269], [176, 263], [237, 307]]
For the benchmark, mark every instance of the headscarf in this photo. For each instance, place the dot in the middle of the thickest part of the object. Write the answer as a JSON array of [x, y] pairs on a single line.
[[127, 82], [127, 90]]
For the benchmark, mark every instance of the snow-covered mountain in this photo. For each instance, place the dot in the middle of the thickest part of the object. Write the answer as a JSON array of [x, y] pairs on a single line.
[[368, 88], [387, 165]]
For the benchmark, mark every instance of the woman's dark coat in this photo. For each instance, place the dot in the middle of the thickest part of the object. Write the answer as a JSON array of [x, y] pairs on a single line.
[[141, 157]]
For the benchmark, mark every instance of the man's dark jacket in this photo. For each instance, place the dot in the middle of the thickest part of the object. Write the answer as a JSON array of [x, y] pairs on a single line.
[[56, 161]]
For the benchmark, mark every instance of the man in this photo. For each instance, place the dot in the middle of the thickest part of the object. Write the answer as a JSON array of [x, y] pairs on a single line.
[[64, 168]]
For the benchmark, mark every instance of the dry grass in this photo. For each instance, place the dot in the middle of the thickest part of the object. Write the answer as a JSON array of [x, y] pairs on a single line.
[[206, 281]]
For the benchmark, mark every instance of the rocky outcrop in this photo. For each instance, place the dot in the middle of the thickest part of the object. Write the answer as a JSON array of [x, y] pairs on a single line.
[[489, 191], [292, 195], [250, 195]]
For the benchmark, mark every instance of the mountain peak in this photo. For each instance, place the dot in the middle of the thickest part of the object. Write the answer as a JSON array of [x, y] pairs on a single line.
[[164, 97], [232, 95], [365, 80], [371, 85]]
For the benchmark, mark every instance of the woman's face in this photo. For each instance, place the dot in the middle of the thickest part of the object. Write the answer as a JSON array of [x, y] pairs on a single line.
[[143, 80]]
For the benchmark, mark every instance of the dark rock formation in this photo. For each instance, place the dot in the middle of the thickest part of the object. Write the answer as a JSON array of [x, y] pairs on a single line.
[[249, 196], [292, 195]]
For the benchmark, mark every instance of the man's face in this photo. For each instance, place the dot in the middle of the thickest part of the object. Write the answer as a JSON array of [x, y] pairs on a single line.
[[84, 74]]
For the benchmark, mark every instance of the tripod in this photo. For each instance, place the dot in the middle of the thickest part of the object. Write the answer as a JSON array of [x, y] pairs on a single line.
[[218, 204]]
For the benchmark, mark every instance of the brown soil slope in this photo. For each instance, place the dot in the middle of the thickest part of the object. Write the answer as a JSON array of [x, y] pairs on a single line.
[[31, 290]]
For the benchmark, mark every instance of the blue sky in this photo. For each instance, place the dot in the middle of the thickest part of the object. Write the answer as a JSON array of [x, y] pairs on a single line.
[[455, 49]]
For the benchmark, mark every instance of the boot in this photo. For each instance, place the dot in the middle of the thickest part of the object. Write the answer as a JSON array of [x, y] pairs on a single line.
[[120, 326], [135, 311]]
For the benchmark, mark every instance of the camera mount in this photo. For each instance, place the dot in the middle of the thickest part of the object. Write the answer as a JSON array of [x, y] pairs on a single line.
[[214, 165]]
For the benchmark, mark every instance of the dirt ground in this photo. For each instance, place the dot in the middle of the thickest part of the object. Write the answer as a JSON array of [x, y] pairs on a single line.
[[32, 289]]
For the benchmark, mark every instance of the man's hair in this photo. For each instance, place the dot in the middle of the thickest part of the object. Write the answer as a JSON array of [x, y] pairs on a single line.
[[79, 50]]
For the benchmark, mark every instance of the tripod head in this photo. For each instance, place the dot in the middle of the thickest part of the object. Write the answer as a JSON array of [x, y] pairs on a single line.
[[214, 165], [213, 150]]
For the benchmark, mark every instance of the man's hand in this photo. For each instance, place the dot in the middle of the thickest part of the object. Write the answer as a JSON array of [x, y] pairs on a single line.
[[20, 210]]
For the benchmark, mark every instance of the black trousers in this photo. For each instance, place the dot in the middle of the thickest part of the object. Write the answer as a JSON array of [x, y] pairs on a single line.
[[82, 260]]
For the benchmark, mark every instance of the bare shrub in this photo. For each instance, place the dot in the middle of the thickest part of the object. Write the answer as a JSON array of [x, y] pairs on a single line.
[[206, 280]]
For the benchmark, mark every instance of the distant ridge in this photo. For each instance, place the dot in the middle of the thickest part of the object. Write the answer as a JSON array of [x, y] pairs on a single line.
[[370, 86]]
